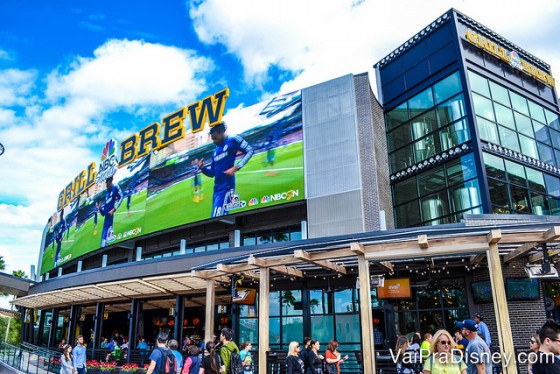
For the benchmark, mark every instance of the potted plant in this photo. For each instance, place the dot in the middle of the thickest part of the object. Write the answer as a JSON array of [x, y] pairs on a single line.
[[107, 367], [93, 366], [129, 368]]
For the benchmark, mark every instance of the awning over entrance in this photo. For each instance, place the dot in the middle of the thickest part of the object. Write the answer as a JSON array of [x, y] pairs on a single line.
[[14, 285], [166, 285]]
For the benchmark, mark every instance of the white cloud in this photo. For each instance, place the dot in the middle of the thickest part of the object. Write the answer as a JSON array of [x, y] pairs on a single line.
[[60, 130], [321, 40]]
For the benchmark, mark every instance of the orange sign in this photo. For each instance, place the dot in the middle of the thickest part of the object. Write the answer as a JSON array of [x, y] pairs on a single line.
[[394, 289], [245, 296]]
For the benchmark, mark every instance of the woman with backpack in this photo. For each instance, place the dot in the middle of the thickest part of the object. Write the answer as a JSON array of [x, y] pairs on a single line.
[[212, 362], [192, 362], [442, 360], [404, 359], [246, 357]]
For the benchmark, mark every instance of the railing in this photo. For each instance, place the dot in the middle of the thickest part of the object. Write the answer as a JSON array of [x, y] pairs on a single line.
[[30, 359]]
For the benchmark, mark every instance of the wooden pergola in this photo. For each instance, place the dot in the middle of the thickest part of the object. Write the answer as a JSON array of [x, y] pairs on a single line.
[[336, 255]]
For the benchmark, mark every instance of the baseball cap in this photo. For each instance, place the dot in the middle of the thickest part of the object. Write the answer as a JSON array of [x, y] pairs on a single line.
[[220, 127], [479, 315], [468, 324]]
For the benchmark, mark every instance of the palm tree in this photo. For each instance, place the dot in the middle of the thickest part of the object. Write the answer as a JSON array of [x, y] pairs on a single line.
[[2, 263], [19, 274]]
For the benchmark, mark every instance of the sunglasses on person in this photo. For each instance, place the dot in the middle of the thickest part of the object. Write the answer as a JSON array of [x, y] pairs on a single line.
[[533, 341], [445, 342]]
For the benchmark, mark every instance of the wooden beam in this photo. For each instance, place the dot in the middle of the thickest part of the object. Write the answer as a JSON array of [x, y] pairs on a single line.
[[416, 252], [494, 236], [366, 317], [264, 312], [477, 259], [326, 264], [357, 248], [552, 234], [522, 250], [210, 307], [539, 255], [386, 265], [211, 274], [236, 269], [288, 270], [501, 310], [423, 241]]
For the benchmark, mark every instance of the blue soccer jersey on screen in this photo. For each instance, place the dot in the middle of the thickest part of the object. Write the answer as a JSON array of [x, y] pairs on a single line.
[[58, 238], [113, 200], [223, 158]]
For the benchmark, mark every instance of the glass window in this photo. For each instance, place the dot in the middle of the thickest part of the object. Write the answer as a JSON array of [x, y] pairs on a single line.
[[535, 179], [292, 329], [289, 300], [224, 245], [423, 124], [479, 84], [487, 130], [318, 301], [546, 154], [528, 146], [461, 170], [428, 298], [494, 166], [322, 327], [274, 332], [426, 147], [346, 331], [524, 125], [447, 87], [397, 116], [451, 110], [405, 190], [431, 181], [553, 206], [508, 139], [552, 119], [421, 102], [401, 159], [346, 301], [520, 199], [555, 136], [552, 185], [483, 107], [541, 132], [537, 112], [498, 194], [455, 134], [399, 137], [465, 196], [504, 116], [539, 204], [519, 103], [296, 235], [434, 206], [248, 329], [212, 247], [274, 303], [515, 173], [499, 94], [249, 241]]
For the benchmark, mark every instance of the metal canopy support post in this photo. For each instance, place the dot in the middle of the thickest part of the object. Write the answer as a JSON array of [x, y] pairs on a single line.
[[54, 327], [24, 312], [41, 329], [500, 304], [366, 317], [179, 317], [135, 310], [72, 323], [210, 308], [98, 327], [263, 313]]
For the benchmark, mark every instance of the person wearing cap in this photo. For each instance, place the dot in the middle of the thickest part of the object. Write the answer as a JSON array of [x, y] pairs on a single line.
[[223, 167], [483, 329], [478, 356]]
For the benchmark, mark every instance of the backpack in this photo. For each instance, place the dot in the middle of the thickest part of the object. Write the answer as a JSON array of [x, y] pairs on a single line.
[[235, 363], [168, 362]]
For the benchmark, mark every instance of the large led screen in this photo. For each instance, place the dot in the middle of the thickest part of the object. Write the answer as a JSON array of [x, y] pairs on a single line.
[[193, 178]]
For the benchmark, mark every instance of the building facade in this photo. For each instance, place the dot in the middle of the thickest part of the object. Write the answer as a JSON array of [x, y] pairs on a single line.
[[404, 189]]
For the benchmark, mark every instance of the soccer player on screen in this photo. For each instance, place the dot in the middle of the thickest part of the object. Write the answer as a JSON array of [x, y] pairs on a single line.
[[197, 183], [223, 167], [59, 236], [113, 200]]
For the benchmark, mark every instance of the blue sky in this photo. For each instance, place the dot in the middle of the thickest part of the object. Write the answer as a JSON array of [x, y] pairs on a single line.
[[75, 73]]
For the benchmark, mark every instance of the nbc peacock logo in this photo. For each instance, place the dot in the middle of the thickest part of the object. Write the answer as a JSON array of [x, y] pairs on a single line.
[[109, 163]]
